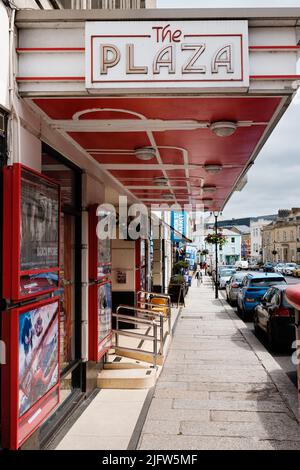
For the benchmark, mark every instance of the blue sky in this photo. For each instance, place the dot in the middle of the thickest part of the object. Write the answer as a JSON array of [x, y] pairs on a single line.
[[273, 181]]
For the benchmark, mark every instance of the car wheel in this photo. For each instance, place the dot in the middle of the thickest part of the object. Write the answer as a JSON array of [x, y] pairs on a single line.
[[272, 343]]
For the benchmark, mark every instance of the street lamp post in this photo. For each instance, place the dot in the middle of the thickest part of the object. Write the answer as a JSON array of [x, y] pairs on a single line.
[[216, 255]]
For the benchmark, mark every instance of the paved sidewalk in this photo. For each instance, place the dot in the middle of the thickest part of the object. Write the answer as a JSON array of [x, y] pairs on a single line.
[[219, 388]]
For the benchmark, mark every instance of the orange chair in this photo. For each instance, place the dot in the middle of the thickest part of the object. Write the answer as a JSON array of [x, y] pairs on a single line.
[[159, 304]]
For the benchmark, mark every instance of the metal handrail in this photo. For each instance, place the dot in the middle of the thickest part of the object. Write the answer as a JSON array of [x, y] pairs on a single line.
[[157, 295], [154, 338], [146, 312], [133, 320], [155, 318], [132, 334]]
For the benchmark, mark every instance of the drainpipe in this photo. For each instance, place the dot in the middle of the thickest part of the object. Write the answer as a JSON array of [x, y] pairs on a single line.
[[13, 158], [84, 272]]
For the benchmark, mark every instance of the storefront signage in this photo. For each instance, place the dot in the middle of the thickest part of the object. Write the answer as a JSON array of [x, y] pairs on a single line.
[[178, 222], [148, 54]]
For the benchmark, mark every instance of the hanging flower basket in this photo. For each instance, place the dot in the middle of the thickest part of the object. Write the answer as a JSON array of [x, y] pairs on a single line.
[[274, 252], [215, 239]]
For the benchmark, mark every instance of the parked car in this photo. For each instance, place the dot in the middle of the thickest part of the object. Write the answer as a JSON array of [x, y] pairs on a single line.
[[296, 271], [221, 268], [233, 285], [279, 267], [253, 266], [242, 264], [268, 267], [288, 269], [253, 288], [276, 317], [224, 276]]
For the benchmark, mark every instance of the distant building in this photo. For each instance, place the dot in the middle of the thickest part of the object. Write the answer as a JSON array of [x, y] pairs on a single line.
[[256, 227], [100, 4], [244, 231], [281, 238], [228, 253], [244, 220]]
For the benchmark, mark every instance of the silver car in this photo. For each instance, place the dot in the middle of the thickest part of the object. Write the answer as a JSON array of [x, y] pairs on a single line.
[[288, 269], [224, 276], [279, 268], [233, 286]]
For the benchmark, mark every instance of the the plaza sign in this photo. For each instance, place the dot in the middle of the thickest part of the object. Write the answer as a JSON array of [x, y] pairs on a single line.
[[189, 54]]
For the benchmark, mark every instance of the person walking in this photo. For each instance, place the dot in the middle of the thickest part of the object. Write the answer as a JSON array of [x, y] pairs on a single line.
[[199, 278]]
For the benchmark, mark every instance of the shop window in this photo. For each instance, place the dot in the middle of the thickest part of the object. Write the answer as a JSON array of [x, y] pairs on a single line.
[[69, 178]]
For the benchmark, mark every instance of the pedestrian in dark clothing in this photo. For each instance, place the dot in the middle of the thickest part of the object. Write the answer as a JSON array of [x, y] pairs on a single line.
[[199, 278]]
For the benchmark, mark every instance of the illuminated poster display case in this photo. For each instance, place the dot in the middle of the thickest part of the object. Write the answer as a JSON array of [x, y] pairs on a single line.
[[100, 295], [31, 211], [100, 325], [30, 378]]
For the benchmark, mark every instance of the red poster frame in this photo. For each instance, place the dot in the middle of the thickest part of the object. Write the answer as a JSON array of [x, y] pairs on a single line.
[[11, 235], [97, 349], [93, 248], [16, 429]]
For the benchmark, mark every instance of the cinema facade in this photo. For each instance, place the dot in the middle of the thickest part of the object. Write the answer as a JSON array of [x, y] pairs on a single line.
[[159, 106]]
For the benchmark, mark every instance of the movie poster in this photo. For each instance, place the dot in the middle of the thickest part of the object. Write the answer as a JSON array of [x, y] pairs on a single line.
[[39, 223], [38, 354], [104, 311]]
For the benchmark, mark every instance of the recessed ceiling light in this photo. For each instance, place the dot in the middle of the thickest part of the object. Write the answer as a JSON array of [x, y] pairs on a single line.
[[145, 153], [213, 168], [209, 189], [160, 181], [223, 128]]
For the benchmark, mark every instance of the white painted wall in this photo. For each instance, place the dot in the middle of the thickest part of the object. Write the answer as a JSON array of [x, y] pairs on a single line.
[[31, 150], [95, 191], [4, 48], [123, 259], [231, 248], [256, 236]]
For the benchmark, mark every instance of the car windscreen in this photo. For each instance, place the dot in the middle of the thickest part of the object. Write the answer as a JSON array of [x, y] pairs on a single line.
[[226, 272], [239, 277], [265, 282]]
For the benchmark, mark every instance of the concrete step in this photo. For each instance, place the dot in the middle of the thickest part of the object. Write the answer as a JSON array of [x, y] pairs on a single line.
[[121, 362], [127, 378], [142, 356]]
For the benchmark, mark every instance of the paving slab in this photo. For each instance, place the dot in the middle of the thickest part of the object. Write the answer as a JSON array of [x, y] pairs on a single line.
[[219, 389], [231, 386], [259, 429], [162, 442], [252, 416], [239, 405]]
